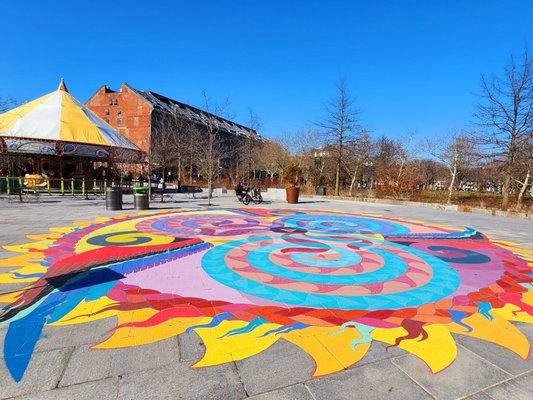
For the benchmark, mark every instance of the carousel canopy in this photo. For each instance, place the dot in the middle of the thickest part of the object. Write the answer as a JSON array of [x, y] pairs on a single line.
[[58, 116]]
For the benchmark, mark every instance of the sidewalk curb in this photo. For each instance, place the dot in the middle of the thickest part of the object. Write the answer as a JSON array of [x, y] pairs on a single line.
[[438, 206]]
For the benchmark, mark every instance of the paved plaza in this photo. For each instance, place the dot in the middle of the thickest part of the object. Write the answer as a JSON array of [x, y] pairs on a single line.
[[121, 332]]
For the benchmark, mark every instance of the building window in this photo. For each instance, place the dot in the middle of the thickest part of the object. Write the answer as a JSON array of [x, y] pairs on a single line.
[[119, 121], [119, 112], [106, 111], [110, 102], [115, 102]]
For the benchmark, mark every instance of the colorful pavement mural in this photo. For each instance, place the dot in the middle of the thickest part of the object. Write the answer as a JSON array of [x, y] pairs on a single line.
[[330, 283]]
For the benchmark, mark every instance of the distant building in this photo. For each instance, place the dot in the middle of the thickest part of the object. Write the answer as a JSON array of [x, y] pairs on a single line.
[[136, 114]]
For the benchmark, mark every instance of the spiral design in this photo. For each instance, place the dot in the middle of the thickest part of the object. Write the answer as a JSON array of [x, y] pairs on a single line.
[[338, 224], [331, 272], [217, 225], [120, 238]]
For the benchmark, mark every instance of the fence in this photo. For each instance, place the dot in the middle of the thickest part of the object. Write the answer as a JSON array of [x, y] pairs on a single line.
[[63, 186]]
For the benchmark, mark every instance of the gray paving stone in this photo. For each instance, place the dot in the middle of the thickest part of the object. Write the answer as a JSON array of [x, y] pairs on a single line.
[[10, 287], [377, 381], [105, 389], [43, 373], [479, 396], [468, 374], [281, 365], [88, 364], [191, 346], [295, 392], [54, 337], [178, 381], [57, 337], [520, 388], [378, 351], [497, 355], [526, 329]]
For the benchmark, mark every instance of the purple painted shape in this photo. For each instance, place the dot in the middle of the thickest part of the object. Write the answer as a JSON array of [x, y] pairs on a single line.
[[476, 276], [185, 277]]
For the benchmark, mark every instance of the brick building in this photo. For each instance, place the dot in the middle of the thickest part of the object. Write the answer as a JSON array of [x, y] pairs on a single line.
[[137, 114]]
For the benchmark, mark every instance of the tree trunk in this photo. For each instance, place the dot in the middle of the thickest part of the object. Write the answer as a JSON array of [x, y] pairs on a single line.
[[506, 187], [350, 193], [352, 183], [522, 190], [163, 187], [337, 177], [149, 183], [400, 172], [452, 183], [209, 190]]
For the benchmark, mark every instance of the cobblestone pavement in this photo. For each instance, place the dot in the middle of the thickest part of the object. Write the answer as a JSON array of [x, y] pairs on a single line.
[[64, 367]]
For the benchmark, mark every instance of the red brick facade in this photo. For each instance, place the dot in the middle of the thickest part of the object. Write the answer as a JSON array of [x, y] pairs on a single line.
[[138, 115], [126, 111]]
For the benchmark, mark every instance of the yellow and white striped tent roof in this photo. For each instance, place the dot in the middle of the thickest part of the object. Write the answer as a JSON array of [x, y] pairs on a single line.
[[59, 116]]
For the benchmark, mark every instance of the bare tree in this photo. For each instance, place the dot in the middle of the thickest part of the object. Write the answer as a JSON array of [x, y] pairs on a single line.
[[302, 144], [455, 152], [245, 161], [430, 171], [273, 158], [165, 145], [524, 163], [358, 151], [392, 167], [505, 115], [339, 126], [211, 146]]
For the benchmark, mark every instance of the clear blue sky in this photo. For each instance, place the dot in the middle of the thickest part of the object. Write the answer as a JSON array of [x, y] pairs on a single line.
[[411, 64]]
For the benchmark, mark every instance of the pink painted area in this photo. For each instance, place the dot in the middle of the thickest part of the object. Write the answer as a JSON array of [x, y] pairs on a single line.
[[185, 277]]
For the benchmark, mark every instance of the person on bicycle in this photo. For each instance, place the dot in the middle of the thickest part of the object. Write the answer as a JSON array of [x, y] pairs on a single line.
[[239, 189]]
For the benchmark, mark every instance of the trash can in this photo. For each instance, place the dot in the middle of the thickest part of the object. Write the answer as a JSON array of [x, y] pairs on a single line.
[[321, 190], [141, 201], [113, 198]]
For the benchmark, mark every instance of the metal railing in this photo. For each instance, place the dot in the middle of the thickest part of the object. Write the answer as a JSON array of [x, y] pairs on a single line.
[[13, 185]]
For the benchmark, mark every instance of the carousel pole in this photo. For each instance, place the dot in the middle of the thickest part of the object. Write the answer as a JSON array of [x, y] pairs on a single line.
[[62, 183]]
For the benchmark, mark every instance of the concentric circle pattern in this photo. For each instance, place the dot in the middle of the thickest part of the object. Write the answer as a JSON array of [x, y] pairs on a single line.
[[223, 225], [341, 224], [331, 271], [328, 282]]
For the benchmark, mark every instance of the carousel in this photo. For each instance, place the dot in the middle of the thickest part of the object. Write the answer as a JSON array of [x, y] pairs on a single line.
[[57, 137]]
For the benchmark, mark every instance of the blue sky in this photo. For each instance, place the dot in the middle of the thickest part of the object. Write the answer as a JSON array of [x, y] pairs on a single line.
[[411, 64]]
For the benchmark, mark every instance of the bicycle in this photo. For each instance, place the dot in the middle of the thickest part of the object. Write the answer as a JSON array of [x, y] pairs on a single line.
[[254, 195]]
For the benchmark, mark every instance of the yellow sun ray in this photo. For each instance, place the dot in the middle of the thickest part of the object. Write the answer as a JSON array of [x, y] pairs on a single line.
[[438, 351], [9, 298], [511, 312], [497, 330], [221, 349], [88, 311], [27, 247], [21, 260], [330, 349], [137, 336]]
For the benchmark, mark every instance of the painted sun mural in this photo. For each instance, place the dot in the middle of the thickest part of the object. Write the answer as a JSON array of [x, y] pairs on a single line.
[[331, 283]]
